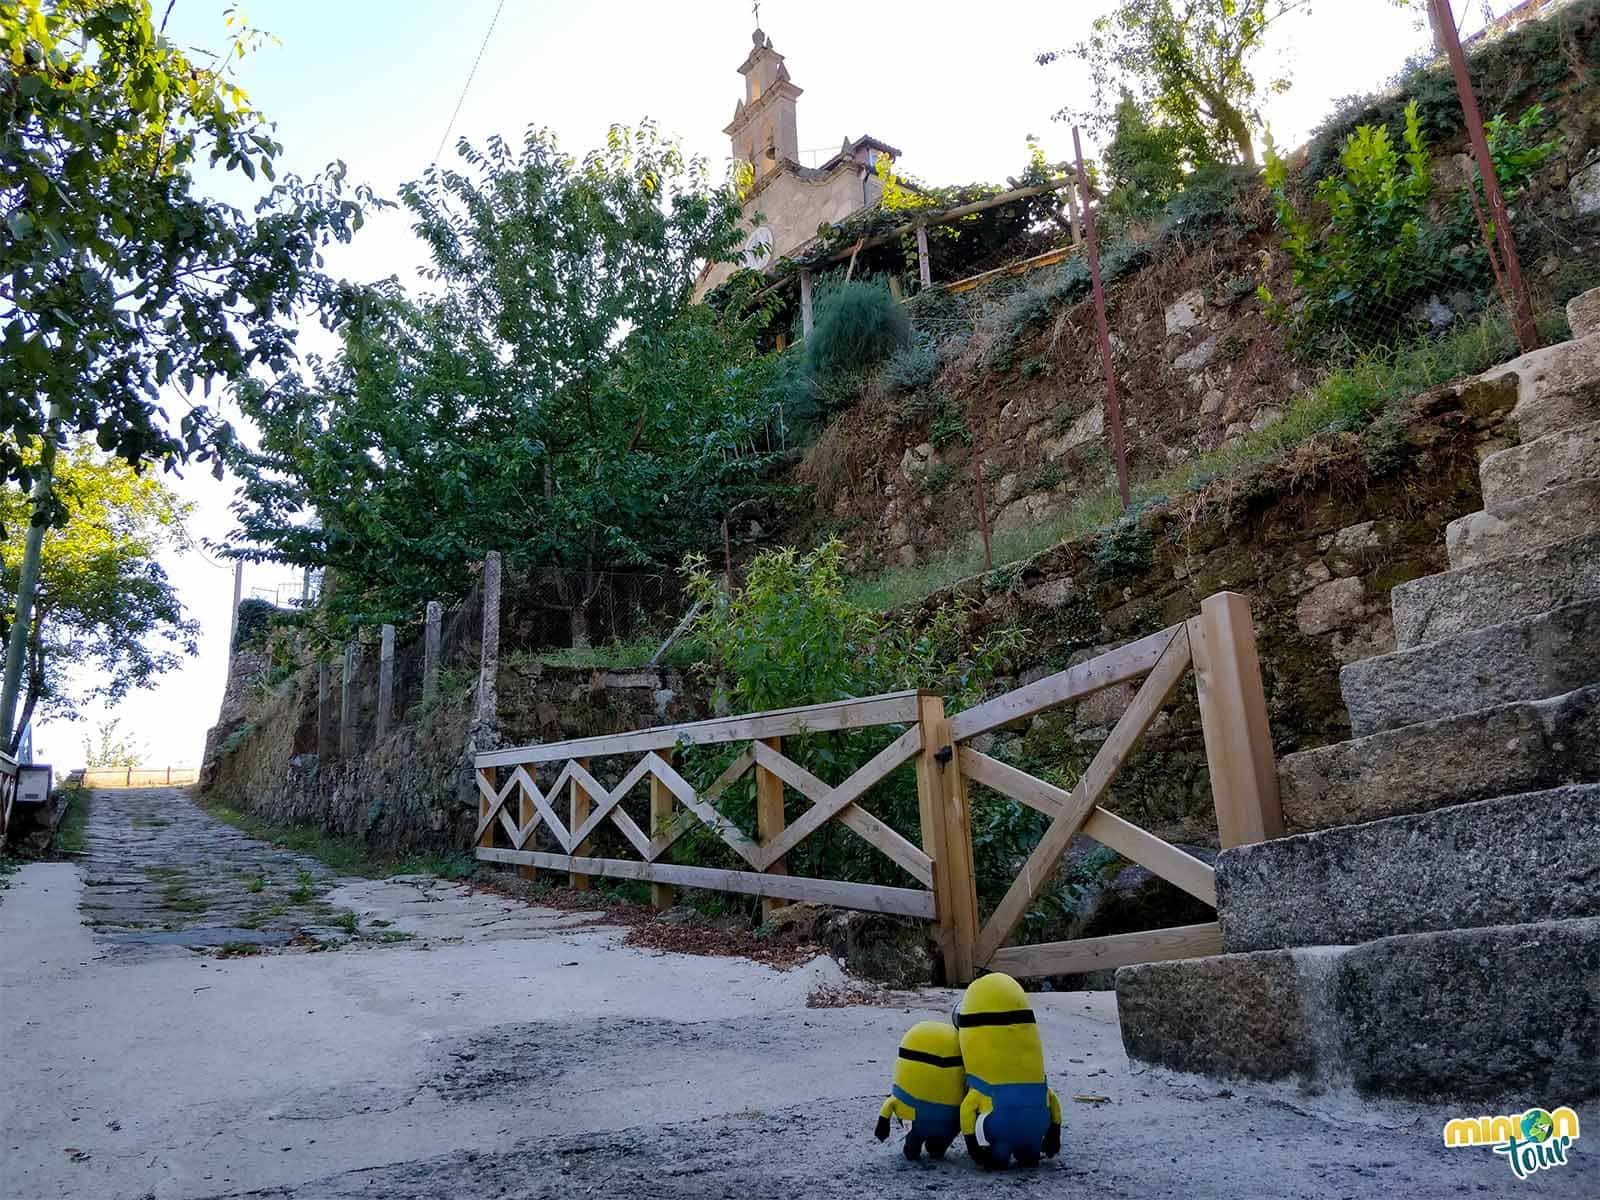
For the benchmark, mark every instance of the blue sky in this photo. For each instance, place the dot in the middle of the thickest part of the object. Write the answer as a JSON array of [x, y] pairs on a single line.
[[374, 82]]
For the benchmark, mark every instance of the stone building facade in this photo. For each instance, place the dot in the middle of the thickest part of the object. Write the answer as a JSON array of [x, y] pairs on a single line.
[[786, 201]]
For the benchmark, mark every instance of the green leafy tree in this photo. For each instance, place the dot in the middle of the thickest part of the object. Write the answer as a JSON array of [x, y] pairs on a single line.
[[107, 750], [1189, 66], [107, 618], [1145, 162], [121, 277], [556, 399]]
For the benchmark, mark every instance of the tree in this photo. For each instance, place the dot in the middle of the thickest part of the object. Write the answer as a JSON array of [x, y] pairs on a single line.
[[556, 399], [1188, 65], [107, 618], [1145, 162], [121, 278], [111, 751]]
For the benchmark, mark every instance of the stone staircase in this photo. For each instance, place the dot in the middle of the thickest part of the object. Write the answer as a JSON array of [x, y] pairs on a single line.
[[1432, 927]]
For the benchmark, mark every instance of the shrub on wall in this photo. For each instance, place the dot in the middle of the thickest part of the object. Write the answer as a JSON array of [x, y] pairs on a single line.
[[858, 325]]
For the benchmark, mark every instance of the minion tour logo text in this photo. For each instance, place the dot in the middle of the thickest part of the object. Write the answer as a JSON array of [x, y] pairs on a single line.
[[1537, 1140]]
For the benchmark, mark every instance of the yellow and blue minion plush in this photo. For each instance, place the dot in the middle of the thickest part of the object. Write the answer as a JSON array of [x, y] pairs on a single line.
[[1008, 1110], [928, 1086]]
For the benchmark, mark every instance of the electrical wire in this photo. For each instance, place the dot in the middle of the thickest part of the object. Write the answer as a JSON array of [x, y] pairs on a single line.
[[460, 100]]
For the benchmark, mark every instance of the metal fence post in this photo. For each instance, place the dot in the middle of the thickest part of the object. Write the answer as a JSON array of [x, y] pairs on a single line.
[[1444, 28], [1102, 327]]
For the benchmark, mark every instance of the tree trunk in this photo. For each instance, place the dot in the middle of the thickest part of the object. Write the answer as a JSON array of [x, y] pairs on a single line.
[[581, 639], [28, 581]]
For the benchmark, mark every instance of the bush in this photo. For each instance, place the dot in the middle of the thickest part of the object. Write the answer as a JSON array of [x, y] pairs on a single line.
[[913, 366], [857, 325], [1371, 255], [1380, 252], [791, 636], [255, 620]]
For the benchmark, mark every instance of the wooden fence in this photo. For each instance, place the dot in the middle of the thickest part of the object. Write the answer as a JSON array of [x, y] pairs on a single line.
[[139, 777], [1218, 644]]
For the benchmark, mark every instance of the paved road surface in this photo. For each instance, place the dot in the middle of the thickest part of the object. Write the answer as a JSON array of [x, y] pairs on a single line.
[[507, 1051]]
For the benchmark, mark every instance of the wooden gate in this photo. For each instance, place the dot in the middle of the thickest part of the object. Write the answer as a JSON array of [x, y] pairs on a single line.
[[1220, 646]]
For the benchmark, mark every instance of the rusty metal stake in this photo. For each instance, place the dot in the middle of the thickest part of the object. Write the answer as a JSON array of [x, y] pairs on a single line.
[[1521, 309], [983, 511], [1113, 407]]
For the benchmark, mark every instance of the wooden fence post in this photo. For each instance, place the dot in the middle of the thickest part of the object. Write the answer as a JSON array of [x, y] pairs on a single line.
[[947, 839], [525, 814], [486, 775], [924, 262], [1233, 717], [579, 806], [385, 679], [327, 715], [347, 702], [805, 304], [489, 660], [662, 895], [769, 818], [430, 649]]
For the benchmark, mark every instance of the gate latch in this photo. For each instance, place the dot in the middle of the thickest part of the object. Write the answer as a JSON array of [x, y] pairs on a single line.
[[943, 755]]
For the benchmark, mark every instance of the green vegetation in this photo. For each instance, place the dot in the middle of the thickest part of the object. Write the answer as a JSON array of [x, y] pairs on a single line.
[[238, 949], [237, 738], [106, 618], [557, 398], [1185, 67], [1351, 398], [858, 325], [623, 655], [792, 636], [72, 835], [913, 366], [347, 855], [1378, 251], [254, 624]]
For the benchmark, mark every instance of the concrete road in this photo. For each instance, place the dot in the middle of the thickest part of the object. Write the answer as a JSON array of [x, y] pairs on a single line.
[[509, 1051]]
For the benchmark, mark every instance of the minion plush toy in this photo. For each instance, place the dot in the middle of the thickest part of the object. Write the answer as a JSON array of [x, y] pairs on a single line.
[[928, 1085], [1008, 1110]]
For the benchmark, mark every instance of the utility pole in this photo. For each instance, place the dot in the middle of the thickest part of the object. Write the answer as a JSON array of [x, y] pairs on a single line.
[[28, 578]]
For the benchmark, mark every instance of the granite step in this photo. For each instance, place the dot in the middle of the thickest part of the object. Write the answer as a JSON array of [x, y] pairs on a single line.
[[1507, 861], [1532, 658], [1556, 514], [1522, 585], [1565, 456], [1557, 387], [1583, 313], [1501, 1013], [1523, 747]]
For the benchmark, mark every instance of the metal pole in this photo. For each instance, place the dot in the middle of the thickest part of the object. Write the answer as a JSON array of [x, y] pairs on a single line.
[[983, 511], [1113, 407], [1521, 309]]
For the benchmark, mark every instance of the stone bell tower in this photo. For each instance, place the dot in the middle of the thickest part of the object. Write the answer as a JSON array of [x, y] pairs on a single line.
[[763, 132]]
